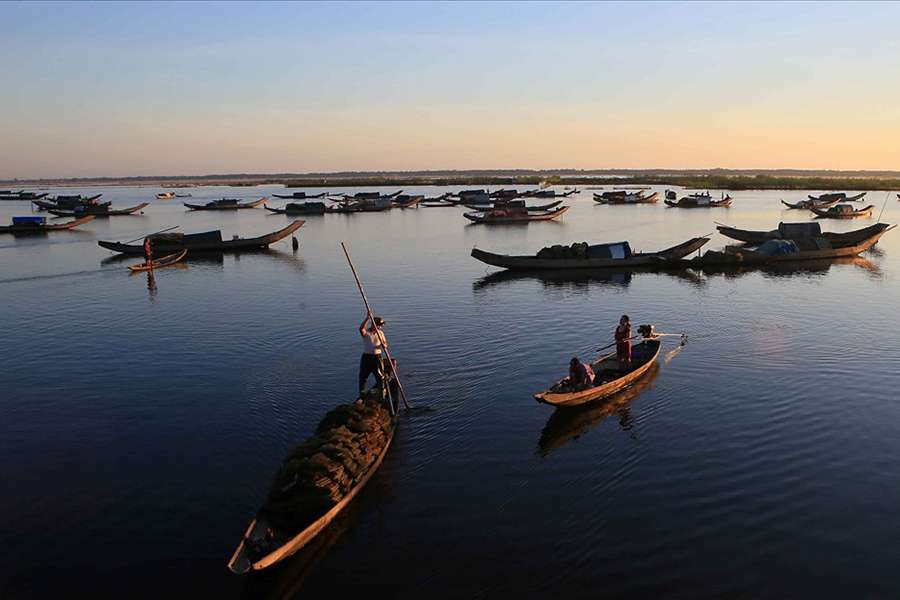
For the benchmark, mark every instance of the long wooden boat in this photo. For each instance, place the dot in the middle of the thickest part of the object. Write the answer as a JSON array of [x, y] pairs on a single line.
[[299, 208], [513, 204], [813, 248], [355, 206], [300, 196], [34, 226], [793, 231], [836, 197], [808, 204], [21, 195], [502, 217], [843, 211], [550, 193], [276, 545], [640, 259], [159, 263], [210, 241], [69, 202], [98, 211], [504, 194], [226, 204], [406, 201], [609, 378], [369, 196], [699, 202], [626, 198]]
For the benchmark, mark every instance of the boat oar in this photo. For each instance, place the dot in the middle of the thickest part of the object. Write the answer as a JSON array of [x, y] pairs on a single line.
[[378, 331], [154, 233]]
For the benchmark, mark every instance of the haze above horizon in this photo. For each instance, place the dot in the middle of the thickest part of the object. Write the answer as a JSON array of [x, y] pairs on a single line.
[[109, 89]]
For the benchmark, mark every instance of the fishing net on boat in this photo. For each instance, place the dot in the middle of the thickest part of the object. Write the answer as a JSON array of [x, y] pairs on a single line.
[[318, 473]]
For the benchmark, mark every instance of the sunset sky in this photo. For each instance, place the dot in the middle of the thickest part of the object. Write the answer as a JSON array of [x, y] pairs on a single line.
[[157, 88]]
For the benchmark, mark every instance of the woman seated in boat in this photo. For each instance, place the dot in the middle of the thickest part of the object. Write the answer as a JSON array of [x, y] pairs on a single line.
[[623, 342], [581, 375]]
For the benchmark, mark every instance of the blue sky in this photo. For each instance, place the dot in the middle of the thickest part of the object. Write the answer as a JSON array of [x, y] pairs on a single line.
[[170, 88]]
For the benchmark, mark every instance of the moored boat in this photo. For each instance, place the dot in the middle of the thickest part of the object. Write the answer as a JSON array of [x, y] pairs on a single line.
[[700, 201], [406, 201], [585, 256], [626, 198], [510, 204], [798, 249], [843, 211], [21, 195], [793, 231], [210, 241], [100, 210], [299, 208], [834, 197], [808, 204], [69, 202], [159, 263], [300, 196], [226, 204], [32, 224], [609, 376], [501, 216]]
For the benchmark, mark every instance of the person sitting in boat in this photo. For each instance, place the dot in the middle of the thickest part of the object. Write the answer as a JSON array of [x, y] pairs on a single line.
[[370, 362], [581, 375], [623, 342], [148, 251]]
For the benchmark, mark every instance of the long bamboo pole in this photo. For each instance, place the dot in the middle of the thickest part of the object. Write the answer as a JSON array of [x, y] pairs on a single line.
[[154, 233], [372, 318]]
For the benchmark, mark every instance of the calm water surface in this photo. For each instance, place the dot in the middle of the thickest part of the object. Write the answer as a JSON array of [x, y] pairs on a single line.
[[141, 427]]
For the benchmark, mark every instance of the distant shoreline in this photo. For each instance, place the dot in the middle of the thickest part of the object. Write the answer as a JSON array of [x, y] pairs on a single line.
[[712, 179]]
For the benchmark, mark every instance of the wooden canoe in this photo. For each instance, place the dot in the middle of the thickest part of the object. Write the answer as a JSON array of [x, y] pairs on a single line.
[[607, 372], [759, 237], [98, 211], [502, 205], [26, 229], [649, 259], [158, 263], [208, 242], [808, 204], [835, 247], [218, 205], [488, 219], [840, 212], [305, 208], [241, 562], [691, 202]]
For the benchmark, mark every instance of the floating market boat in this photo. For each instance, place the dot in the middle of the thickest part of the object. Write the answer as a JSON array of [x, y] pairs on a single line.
[[210, 241], [584, 256], [609, 377], [30, 224], [501, 216], [317, 481], [843, 211], [21, 195], [299, 208], [159, 263], [100, 210], [226, 204], [793, 231]]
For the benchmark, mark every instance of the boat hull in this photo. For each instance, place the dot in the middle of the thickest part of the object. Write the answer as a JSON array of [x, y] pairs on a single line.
[[245, 244]]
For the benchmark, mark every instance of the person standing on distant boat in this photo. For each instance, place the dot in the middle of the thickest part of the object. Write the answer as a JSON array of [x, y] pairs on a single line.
[[623, 342], [148, 252], [370, 361]]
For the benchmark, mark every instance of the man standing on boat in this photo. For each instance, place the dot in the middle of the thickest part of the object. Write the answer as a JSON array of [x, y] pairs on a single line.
[[370, 361], [148, 252]]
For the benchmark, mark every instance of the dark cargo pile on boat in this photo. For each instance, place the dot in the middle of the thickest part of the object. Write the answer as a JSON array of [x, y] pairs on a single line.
[[323, 469], [585, 250]]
